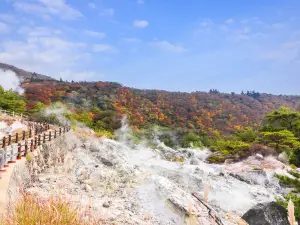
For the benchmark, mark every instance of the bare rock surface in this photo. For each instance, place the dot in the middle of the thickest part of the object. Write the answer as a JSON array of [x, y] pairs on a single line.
[[128, 184]]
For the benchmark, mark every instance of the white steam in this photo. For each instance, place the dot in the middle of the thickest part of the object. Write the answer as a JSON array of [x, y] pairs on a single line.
[[10, 81], [59, 111]]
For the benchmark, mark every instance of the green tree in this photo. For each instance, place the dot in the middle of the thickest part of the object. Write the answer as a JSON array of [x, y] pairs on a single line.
[[10, 100], [39, 106], [283, 119], [247, 135], [280, 140]]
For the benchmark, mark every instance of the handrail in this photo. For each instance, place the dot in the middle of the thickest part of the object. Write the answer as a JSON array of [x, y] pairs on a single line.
[[13, 113], [33, 140], [10, 139], [38, 134]]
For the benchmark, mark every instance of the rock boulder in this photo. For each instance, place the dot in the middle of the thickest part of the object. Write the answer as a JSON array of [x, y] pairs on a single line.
[[267, 214]]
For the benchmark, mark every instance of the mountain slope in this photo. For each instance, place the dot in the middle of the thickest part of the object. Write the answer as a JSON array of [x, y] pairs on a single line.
[[23, 74], [210, 112]]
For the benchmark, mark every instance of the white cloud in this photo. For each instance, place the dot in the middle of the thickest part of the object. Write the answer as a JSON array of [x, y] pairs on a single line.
[[167, 46], [95, 34], [48, 55], [4, 28], [229, 21], [92, 5], [291, 45], [8, 18], [140, 23], [224, 28], [277, 25], [205, 26], [242, 37], [47, 8], [104, 48], [132, 40], [107, 12], [206, 23], [140, 1], [38, 31]]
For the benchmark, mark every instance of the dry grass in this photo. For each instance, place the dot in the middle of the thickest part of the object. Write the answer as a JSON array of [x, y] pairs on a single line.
[[291, 213], [30, 210], [206, 191]]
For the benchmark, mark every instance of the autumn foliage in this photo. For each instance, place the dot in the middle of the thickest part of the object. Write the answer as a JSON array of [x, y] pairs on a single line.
[[215, 113]]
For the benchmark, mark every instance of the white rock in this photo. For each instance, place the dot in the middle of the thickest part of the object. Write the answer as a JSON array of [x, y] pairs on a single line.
[[283, 157], [88, 188], [259, 156]]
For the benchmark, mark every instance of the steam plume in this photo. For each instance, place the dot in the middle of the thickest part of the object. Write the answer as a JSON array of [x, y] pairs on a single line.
[[10, 81]]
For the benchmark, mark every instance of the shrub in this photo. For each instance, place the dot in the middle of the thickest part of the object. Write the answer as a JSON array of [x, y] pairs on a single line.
[[293, 195], [247, 135], [295, 157], [216, 158], [192, 140], [295, 199], [104, 133]]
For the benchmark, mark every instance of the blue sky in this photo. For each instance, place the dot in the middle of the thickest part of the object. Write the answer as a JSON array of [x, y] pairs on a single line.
[[177, 45]]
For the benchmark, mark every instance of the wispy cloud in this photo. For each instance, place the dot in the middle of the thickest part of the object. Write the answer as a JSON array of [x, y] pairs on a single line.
[[205, 26], [105, 48], [95, 34], [229, 21], [107, 12], [43, 54], [167, 46], [133, 40], [140, 23], [92, 5], [4, 28], [38, 31], [8, 18], [48, 8]]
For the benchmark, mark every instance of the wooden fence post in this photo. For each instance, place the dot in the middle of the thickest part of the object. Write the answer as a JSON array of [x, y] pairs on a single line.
[[19, 151], [24, 134], [60, 131], [54, 133], [44, 138], [35, 142], [26, 148], [17, 137], [49, 135], [30, 133], [9, 139], [3, 142], [36, 131], [31, 145], [39, 140]]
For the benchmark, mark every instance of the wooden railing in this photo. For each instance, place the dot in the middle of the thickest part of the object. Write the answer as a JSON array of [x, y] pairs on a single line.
[[14, 114], [23, 135], [14, 147]]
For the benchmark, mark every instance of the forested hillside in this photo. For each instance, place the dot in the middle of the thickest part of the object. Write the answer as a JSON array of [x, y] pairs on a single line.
[[211, 112]]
